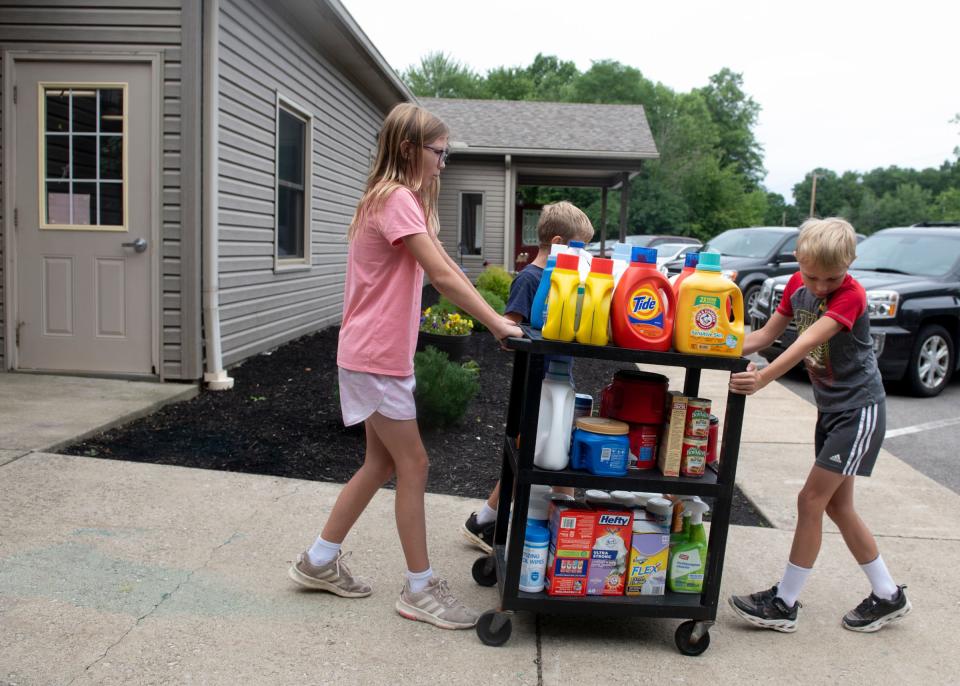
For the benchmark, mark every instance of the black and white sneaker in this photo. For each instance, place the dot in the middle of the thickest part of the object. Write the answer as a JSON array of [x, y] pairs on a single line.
[[766, 610], [874, 612], [479, 535]]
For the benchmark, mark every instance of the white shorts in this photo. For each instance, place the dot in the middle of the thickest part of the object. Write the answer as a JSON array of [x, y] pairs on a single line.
[[362, 394]]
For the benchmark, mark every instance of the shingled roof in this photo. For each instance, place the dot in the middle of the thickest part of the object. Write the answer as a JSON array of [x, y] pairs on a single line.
[[546, 128]]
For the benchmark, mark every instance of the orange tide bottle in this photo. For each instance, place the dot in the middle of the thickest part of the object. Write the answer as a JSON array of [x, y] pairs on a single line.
[[689, 267], [709, 312], [644, 305], [560, 324], [595, 311]]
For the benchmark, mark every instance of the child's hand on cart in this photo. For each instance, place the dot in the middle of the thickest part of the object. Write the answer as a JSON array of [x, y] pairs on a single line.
[[505, 328]]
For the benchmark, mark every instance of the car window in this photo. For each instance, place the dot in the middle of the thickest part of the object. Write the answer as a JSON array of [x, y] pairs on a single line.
[[916, 253], [670, 249], [639, 240], [789, 246], [745, 242]]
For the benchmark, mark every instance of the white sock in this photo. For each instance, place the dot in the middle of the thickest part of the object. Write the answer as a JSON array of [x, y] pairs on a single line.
[[418, 580], [794, 578], [883, 584], [487, 514], [322, 552]]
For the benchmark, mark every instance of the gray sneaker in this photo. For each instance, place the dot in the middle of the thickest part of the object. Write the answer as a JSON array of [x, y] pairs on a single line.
[[436, 605], [334, 577]]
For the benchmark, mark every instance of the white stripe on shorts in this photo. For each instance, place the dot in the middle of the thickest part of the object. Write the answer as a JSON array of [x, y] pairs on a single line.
[[868, 424]]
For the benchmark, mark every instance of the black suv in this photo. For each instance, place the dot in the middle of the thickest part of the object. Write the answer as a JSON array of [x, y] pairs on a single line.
[[748, 256], [912, 278]]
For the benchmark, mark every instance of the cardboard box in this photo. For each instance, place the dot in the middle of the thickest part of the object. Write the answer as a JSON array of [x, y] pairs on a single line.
[[649, 555], [610, 551], [571, 543], [671, 440]]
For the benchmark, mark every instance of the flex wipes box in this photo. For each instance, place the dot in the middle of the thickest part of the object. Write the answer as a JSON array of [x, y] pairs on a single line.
[[671, 441], [649, 555], [611, 548], [571, 543]]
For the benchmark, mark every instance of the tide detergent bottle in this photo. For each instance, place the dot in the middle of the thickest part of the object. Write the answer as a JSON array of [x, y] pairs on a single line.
[[560, 324], [595, 311], [704, 323], [538, 310], [643, 305]]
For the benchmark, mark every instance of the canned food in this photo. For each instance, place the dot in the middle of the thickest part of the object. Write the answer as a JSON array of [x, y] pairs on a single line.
[[698, 418], [693, 456], [643, 445]]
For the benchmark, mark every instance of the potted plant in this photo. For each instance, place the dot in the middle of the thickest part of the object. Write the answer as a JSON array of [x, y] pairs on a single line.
[[445, 331]]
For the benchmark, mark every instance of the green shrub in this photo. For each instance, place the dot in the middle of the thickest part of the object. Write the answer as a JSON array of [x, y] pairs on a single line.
[[445, 306], [496, 280], [494, 301], [444, 388]]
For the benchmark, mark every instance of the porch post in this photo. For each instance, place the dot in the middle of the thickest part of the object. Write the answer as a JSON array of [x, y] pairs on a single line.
[[624, 203], [603, 220]]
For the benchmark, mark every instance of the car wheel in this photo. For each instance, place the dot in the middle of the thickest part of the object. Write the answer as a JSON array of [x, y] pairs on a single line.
[[931, 362], [750, 299]]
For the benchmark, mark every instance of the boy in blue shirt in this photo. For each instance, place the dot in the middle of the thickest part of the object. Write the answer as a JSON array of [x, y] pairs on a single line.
[[559, 223]]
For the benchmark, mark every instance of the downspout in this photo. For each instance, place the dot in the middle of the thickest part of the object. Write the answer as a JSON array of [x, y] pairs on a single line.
[[510, 208], [214, 376]]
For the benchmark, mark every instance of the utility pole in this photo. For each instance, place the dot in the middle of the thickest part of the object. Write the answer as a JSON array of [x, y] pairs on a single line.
[[813, 194]]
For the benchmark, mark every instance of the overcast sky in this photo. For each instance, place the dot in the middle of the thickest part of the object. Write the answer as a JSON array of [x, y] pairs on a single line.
[[843, 85]]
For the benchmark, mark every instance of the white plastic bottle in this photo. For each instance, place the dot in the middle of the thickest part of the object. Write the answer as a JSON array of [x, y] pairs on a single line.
[[586, 259], [555, 419], [621, 260]]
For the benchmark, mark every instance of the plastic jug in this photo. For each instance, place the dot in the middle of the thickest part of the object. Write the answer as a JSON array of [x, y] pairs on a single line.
[[689, 267], [621, 260], [703, 324], [595, 311], [562, 300], [555, 417], [585, 259], [643, 305], [538, 310]]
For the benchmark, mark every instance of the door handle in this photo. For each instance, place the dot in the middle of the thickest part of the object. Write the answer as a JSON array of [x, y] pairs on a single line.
[[138, 245]]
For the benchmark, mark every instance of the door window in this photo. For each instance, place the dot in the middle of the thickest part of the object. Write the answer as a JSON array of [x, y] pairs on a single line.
[[530, 220], [83, 156]]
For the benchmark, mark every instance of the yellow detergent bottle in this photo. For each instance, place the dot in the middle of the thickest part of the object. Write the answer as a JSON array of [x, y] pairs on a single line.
[[595, 313], [562, 301], [703, 324]]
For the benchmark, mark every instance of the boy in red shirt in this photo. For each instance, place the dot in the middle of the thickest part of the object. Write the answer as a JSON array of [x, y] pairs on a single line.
[[829, 308]]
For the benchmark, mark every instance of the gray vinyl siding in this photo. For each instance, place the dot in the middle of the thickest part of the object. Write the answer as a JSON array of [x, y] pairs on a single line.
[[473, 177], [261, 54], [111, 25]]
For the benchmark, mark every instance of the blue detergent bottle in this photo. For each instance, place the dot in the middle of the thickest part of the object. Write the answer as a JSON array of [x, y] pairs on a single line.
[[538, 311]]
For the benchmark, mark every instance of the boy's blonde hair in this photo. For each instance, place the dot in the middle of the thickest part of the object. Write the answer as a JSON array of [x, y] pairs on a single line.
[[566, 220], [405, 131], [829, 243]]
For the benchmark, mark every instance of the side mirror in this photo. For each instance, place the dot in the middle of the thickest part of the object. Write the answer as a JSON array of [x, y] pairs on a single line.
[[785, 257]]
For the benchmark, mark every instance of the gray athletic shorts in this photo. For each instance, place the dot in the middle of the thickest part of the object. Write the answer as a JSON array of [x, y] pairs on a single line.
[[848, 442]]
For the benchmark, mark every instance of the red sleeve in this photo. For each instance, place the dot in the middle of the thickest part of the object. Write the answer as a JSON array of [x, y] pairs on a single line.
[[786, 306], [847, 303], [401, 216]]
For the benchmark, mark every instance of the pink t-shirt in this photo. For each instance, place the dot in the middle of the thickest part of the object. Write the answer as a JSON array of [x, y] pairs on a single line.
[[381, 300]]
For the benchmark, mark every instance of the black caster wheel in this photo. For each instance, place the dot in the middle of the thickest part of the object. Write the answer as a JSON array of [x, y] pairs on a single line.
[[685, 643], [484, 571], [494, 628]]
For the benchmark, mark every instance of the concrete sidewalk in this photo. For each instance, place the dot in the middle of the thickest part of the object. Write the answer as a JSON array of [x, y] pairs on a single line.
[[118, 573]]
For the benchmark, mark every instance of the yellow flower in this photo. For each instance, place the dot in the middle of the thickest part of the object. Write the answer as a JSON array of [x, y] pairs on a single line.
[[427, 311]]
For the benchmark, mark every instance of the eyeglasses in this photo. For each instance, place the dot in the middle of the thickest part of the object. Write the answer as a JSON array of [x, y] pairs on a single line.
[[441, 153]]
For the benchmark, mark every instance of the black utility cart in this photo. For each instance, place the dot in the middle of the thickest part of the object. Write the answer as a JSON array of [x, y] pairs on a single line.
[[518, 473]]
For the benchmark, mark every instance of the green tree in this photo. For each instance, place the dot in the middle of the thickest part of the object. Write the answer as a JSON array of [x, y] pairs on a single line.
[[735, 115], [552, 78], [441, 76], [610, 82]]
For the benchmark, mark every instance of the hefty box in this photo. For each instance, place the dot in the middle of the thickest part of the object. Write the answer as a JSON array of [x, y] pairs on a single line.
[[571, 542], [649, 554], [611, 549], [671, 439]]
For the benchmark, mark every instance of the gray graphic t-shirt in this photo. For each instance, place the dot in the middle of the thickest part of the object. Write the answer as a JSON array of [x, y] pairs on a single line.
[[843, 370]]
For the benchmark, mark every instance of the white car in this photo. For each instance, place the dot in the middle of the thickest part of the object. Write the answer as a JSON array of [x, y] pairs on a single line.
[[667, 252]]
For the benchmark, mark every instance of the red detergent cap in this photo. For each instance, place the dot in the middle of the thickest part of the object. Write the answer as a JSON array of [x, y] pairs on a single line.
[[601, 265], [565, 261]]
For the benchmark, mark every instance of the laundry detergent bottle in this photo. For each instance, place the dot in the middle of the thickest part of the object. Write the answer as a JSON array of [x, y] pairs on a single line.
[[557, 396], [560, 324], [538, 310], [595, 311], [643, 305], [621, 260], [704, 324], [688, 559], [690, 261]]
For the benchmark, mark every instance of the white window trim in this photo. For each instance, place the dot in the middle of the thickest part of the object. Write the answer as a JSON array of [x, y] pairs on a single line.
[[287, 264], [483, 223]]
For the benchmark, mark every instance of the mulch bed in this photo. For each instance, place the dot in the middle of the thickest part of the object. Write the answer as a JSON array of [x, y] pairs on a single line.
[[283, 419]]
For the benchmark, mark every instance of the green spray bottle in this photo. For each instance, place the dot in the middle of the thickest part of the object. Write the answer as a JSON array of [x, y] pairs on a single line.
[[688, 559]]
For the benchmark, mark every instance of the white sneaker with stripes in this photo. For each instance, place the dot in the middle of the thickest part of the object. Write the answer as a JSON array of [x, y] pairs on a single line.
[[436, 605], [333, 577]]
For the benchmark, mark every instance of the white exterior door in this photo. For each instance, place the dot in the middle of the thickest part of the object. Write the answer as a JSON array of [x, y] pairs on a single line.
[[84, 180]]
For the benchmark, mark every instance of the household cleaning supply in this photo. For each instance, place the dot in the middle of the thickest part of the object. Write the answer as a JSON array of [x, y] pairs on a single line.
[[610, 552], [538, 310], [585, 258], [595, 310], [571, 542], [704, 325], [643, 305], [689, 267], [649, 549], [562, 300], [533, 568], [621, 260], [623, 498], [688, 560], [597, 498], [538, 512], [601, 446], [555, 418]]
